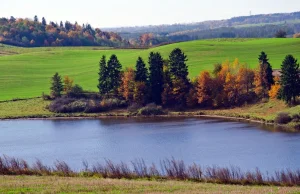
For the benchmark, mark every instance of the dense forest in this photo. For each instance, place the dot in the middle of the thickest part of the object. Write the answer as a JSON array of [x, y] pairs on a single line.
[[36, 33], [256, 26]]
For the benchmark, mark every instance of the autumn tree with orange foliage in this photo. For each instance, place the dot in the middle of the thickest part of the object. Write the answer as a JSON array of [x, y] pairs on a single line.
[[127, 85], [274, 91], [204, 89]]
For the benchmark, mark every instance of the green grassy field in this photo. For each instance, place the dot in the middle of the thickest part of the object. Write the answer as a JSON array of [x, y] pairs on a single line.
[[26, 73], [31, 184]]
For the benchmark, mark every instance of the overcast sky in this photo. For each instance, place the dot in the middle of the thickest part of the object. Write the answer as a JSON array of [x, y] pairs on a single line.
[[115, 13]]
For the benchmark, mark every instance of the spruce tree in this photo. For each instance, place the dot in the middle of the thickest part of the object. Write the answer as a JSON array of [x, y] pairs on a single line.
[[114, 69], [156, 77], [103, 76], [56, 85], [36, 19], [179, 76], [177, 62], [290, 80], [266, 70], [44, 23], [266, 79], [141, 73]]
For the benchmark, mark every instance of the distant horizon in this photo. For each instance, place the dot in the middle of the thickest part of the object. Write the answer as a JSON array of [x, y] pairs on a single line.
[[162, 24], [200, 21], [134, 13]]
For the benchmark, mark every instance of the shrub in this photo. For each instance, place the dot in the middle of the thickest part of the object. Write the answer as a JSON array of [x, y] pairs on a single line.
[[151, 109], [67, 105], [76, 92], [76, 106], [93, 106], [112, 103], [297, 35], [296, 118], [134, 107], [283, 118]]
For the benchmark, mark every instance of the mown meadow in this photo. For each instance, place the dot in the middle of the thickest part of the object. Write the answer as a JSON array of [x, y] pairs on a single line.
[[33, 184], [26, 72]]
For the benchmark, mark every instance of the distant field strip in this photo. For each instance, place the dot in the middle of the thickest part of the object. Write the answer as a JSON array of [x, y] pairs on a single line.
[[26, 72]]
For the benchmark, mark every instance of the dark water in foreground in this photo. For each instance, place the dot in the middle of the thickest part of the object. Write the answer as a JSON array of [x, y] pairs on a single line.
[[204, 141]]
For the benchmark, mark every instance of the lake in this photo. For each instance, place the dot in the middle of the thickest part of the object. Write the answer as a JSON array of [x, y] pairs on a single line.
[[204, 141]]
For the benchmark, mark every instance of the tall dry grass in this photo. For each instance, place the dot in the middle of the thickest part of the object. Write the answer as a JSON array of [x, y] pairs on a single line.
[[169, 169]]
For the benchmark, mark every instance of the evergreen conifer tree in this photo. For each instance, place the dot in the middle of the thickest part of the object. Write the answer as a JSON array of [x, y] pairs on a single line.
[[114, 69], [141, 73], [56, 85], [156, 77], [290, 80], [103, 76], [44, 23]]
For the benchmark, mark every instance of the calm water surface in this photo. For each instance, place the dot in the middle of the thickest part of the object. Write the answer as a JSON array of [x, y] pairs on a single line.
[[204, 141]]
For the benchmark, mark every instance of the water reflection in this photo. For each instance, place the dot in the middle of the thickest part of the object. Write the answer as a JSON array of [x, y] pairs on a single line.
[[204, 141]]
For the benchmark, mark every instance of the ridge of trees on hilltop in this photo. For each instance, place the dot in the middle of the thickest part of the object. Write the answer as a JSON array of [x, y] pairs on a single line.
[[254, 26], [37, 33]]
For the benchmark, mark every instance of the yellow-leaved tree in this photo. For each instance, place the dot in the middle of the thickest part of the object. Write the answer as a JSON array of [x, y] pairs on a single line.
[[68, 84], [274, 91]]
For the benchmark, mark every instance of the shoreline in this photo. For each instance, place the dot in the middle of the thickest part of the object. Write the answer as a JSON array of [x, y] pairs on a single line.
[[180, 115]]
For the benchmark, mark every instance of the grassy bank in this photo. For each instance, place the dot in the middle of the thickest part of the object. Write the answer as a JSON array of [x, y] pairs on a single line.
[[25, 72], [33, 184]]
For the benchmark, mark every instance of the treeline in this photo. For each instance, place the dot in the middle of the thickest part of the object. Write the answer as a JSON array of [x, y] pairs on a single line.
[[256, 26], [265, 31], [166, 83], [233, 22], [36, 33]]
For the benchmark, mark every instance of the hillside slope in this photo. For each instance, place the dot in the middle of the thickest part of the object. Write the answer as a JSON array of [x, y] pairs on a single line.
[[26, 72]]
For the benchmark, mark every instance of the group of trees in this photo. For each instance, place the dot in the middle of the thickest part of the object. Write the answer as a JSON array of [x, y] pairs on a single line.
[[166, 82], [27, 32], [65, 86]]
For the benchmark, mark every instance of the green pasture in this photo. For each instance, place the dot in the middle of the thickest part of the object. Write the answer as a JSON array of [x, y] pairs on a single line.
[[26, 72]]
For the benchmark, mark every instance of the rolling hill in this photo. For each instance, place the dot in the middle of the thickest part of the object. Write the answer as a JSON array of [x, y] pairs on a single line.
[[26, 72]]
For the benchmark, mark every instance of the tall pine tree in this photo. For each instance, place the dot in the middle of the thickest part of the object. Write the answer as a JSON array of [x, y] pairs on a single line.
[[290, 80], [266, 70], [141, 73], [103, 76], [44, 23], [179, 76], [56, 86], [264, 77], [36, 19], [114, 68], [156, 77], [177, 62]]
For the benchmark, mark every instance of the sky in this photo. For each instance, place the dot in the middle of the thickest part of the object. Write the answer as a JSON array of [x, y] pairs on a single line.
[[117, 13]]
